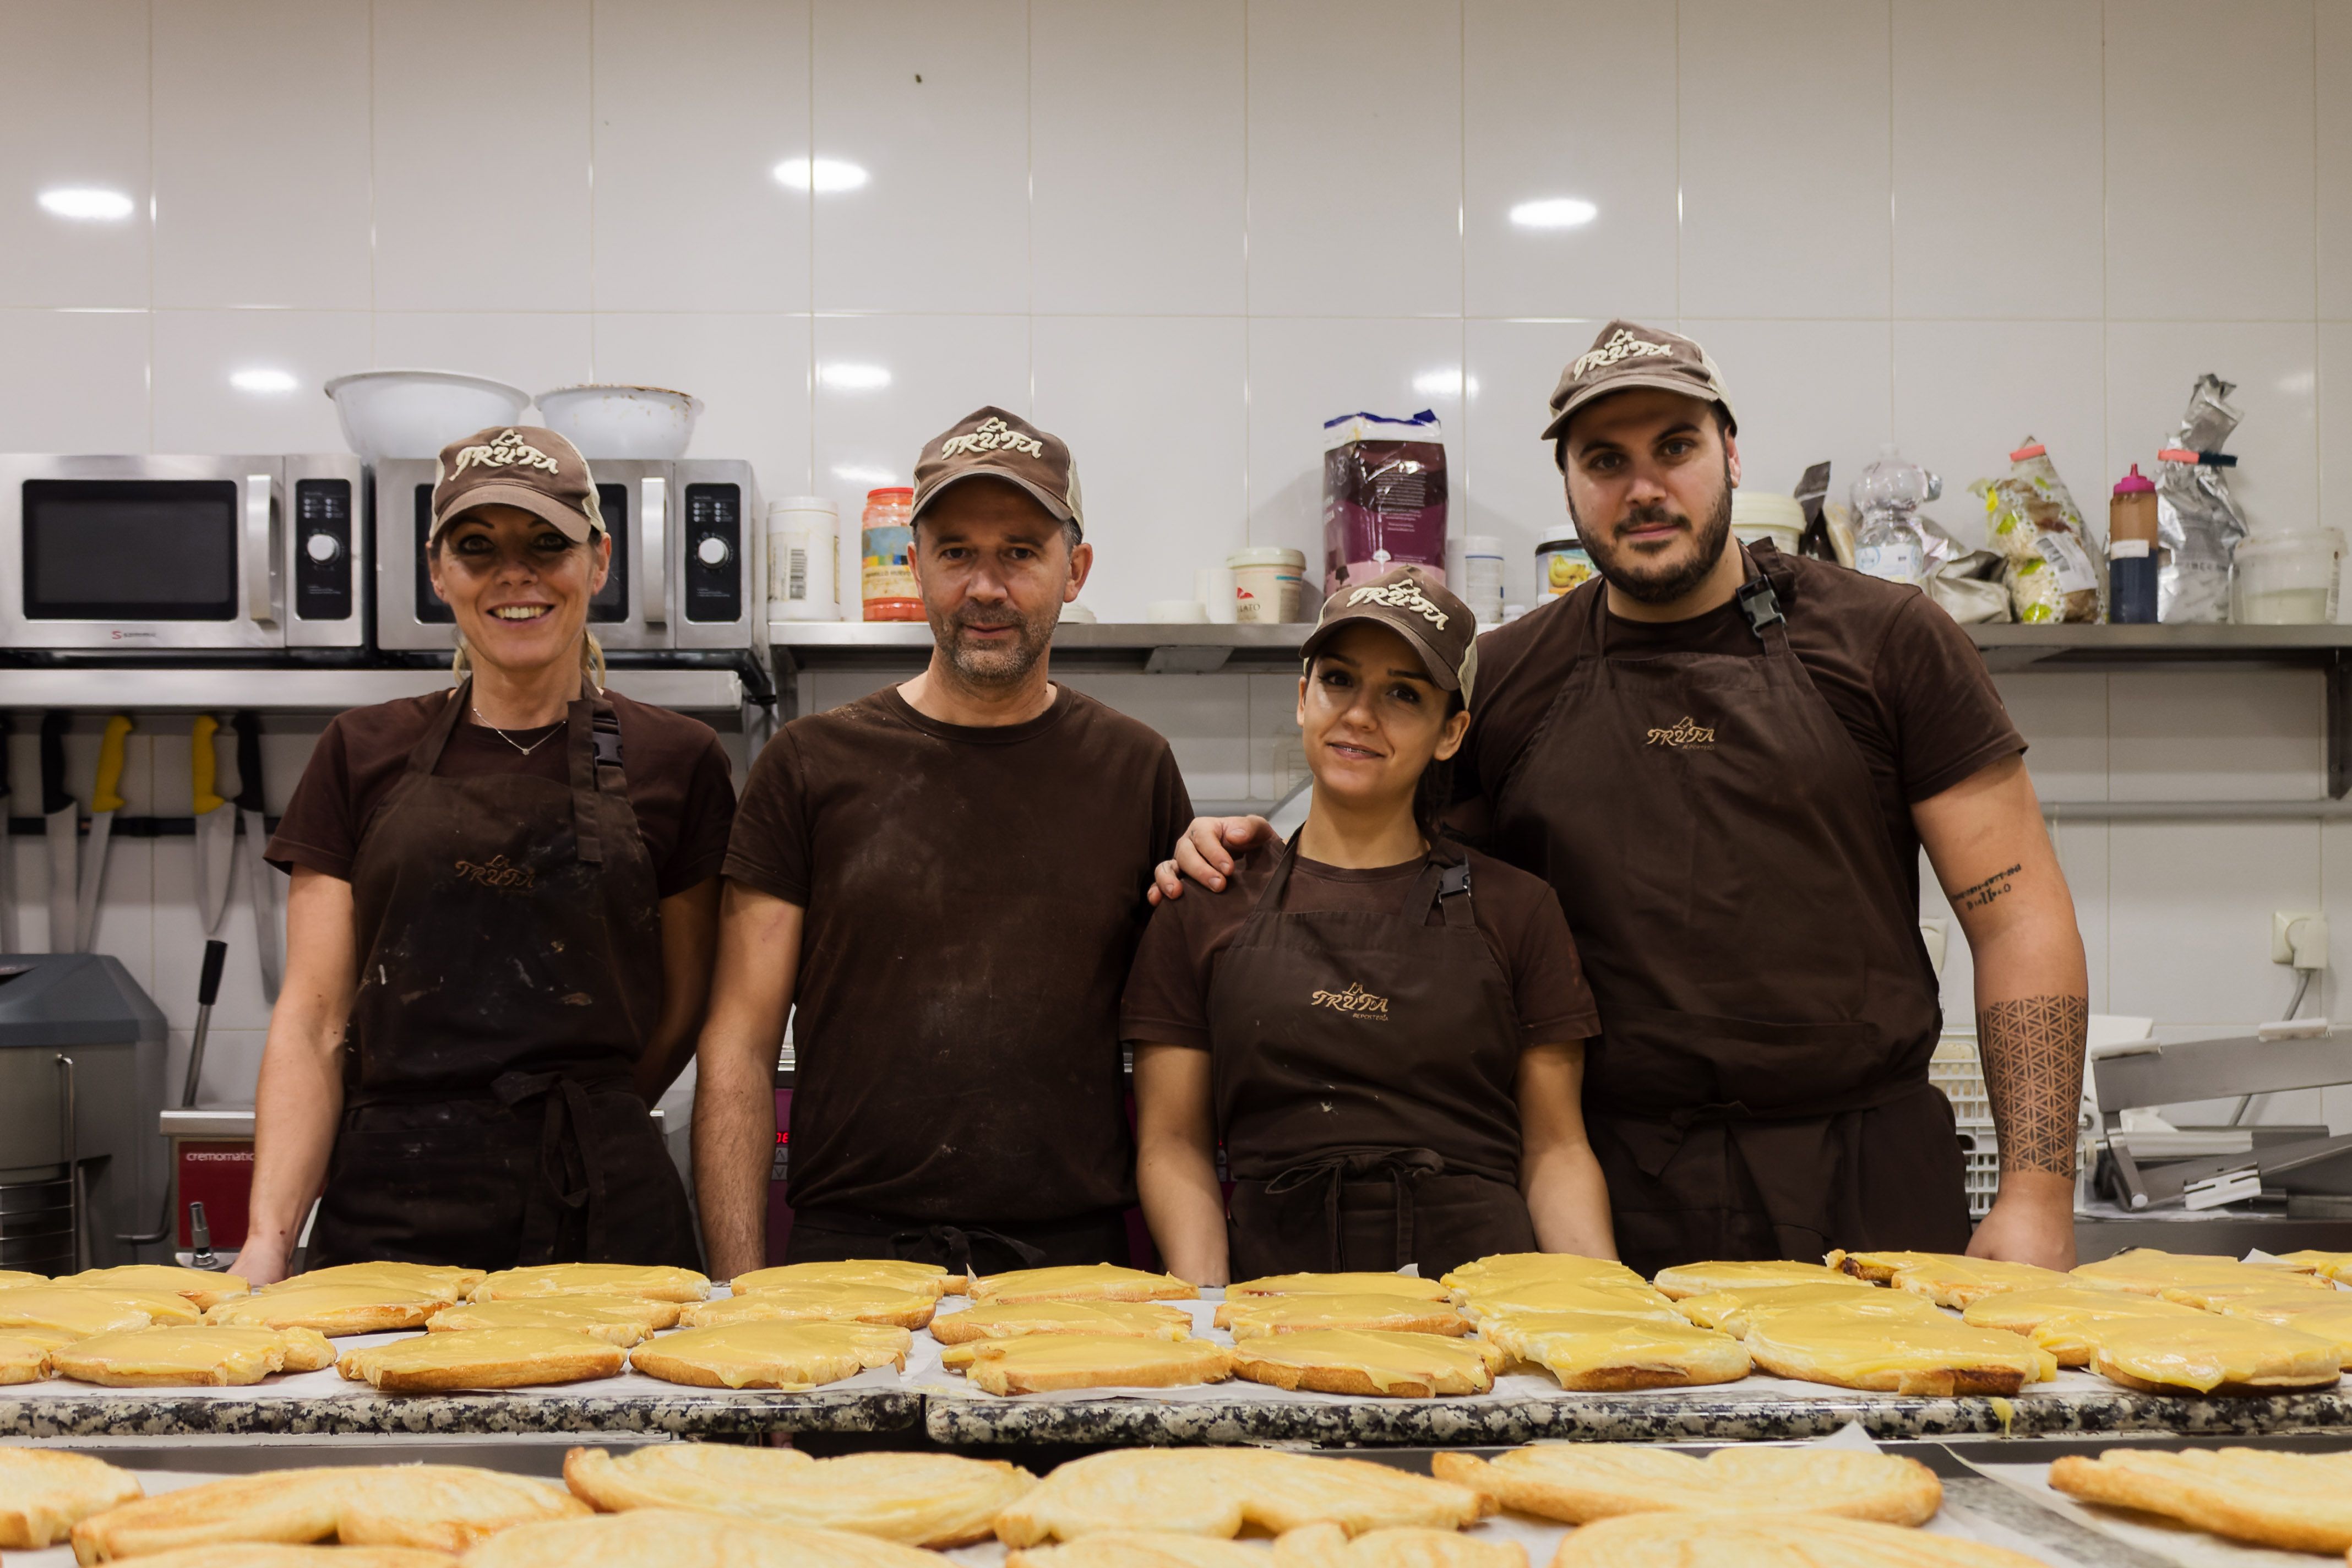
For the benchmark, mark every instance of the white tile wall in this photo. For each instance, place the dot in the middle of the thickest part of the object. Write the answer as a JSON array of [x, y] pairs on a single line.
[[1184, 234]]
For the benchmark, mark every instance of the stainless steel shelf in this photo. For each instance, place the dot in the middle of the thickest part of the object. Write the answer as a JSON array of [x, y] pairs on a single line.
[[1173, 649], [2015, 647], [282, 691]]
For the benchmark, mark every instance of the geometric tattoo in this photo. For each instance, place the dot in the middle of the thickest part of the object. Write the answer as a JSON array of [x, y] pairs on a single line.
[[2031, 1050]]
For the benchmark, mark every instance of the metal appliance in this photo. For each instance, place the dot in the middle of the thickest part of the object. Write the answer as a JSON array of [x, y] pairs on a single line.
[[688, 557], [81, 1082], [132, 555], [2201, 1168]]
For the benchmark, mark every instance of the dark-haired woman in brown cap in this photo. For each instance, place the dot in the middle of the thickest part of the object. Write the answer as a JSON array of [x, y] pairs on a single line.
[[500, 928], [1384, 1030]]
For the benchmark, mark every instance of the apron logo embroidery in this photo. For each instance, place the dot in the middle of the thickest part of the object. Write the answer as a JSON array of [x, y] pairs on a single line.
[[1355, 999], [1401, 596], [500, 874], [1621, 347], [1682, 732], [504, 452], [995, 436]]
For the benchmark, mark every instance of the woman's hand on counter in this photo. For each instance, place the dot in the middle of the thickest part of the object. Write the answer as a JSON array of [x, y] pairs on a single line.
[[1206, 853]]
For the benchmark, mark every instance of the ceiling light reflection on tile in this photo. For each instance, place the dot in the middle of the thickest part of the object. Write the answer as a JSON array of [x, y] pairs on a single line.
[[823, 175], [1446, 382], [262, 381], [1554, 212], [853, 377], [86, 203], [874, 477]]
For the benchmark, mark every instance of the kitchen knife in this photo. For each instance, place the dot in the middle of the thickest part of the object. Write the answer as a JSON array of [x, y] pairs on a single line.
[[259, 881], [105, 800], [61, 825], [7, 849], [216, 825]]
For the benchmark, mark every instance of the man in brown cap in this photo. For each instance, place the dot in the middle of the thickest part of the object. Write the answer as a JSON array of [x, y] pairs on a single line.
[[946, 879], [1726, 762]]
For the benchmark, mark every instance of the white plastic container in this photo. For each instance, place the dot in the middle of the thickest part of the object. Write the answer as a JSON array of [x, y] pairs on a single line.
[[2287, 579], [803, 551], [1268, 583], [1176, 613], [1214, 586], [1758, 516], [415, 412], [1473, 570], [1561, 564]]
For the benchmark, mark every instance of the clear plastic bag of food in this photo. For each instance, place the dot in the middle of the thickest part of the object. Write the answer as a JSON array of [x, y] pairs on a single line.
[[2053, 560]]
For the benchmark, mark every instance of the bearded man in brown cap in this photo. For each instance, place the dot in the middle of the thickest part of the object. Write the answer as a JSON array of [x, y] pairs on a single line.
[[1726, 762], [946, 878]]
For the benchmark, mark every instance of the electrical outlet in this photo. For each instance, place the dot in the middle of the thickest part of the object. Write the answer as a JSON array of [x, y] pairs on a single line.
[[2314, 937]]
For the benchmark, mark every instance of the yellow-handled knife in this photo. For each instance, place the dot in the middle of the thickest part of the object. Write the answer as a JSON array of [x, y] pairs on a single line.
[[215, 823], [105, 800]]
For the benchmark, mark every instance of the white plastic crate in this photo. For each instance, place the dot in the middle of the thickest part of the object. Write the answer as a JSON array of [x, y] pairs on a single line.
[[1955, 1069], [1981, 1179]]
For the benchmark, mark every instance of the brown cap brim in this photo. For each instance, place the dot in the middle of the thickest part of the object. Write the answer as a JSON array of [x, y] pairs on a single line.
[[573, 525], [1055, 506], [1616, 383], [1431, 659]]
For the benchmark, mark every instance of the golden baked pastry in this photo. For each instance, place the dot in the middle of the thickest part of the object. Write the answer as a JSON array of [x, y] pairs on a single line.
[[446, 1281], [922, 1499], [2146, 1271], [2212, 1355], [482, 1357], [2213, 1295], [440, 1507], [646, 1537], [2331, 1320], [82, 1313], [615, 1320], [1346, 1284], [1348, 1361], [1877, 1268], [12, 1278], [1957, 1281], [2063, 1321], [172, 1357], [1590, 1354], [1511, 1297], [1330, 1546], [1579, 1482], [1527, 1268], [43, 1494], [2335, 1266], [334, 1311], [25, 1353], [1251, 1316], [253, 1554], [654, 1281], [2295, 1502], [1772, 1541], [1896, 1356], [1080, 1282], [1734, 1311], [815, 1303], [1142, 1549], [1705, 1279], [1042, 1363], [1011, 1319], [1215, 1491], [896, 1274], [772, 1354], [201, 1288]]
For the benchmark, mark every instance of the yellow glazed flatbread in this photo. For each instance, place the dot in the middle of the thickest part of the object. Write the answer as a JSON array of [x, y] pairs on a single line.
[[1356, 1284], [923, 1278], [2331, 1322], [1149, 1320], [43, 1494], [201, 1288], [1956, 1281], [10, 1279], [1581, 1482], [2212, 1355], [2335, 1266], [1081, 1282], [936, 1501], [1215, 1491], [442, 1508], [1330, 1546], [1894, 1355], [1772, 1541], [444, 1281], [2065, 1322], [815, 1303], [1509, 1299], [772, 1354], [1345, 1360], [82, 1313], [334, 1311], [2292, 1502], [1514, 1269], [654, 1281], [1249, 1317], [1705, 1279], [1877, 1268], [660, 1537], [1045, 1364], [172, 1357], [1734, 1311], [605, 1318], [1591, 1353], [25, 1353], [482, 1357], [2147, 1271]]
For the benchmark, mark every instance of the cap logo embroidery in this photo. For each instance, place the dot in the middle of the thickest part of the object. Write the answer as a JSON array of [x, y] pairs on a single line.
[[994, 436], [500, 874], [1399, 597], [1682, 732], [507, 451], [1624, 346], [1354, 1000]]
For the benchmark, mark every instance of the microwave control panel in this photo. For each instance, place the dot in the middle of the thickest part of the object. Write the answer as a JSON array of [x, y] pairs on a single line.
[[322, 550], [714, 553]]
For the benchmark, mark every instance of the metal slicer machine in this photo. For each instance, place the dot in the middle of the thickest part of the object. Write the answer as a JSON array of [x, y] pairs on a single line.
[[2298, 1171]]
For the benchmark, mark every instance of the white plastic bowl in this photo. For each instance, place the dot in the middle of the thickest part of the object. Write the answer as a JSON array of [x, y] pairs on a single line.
[[641, 423], [415, 412]]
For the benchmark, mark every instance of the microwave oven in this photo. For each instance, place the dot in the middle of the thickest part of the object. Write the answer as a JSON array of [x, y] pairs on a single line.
[[688, 558], [132, 555]]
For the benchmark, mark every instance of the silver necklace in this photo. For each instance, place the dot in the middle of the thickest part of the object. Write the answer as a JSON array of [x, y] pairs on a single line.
[[509, 739]]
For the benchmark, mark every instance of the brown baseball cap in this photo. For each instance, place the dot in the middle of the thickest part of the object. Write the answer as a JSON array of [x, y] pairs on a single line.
[[989, 443], [1439, 626], [518, 465], [1628, 354]]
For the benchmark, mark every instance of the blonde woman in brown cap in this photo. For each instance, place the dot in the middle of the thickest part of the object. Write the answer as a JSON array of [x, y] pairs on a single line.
[[1384, 1031], [500, 928]]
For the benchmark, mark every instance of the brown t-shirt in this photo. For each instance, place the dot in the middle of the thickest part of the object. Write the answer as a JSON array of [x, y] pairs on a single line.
[[974, 898], [1903, 678], [680, 783]]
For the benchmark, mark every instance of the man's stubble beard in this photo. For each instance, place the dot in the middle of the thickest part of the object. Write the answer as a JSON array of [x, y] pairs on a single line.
[[1657, 588], [1000, 668]]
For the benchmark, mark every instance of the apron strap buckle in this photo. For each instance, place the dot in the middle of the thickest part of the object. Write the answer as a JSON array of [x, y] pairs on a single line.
[[1760, 605]]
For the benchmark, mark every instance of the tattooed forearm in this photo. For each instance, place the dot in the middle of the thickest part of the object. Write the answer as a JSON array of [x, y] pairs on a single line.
[[2033, 1054], [1978, 895]]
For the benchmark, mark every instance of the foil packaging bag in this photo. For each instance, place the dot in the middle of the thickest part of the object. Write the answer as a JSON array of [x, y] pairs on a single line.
[[1384, 497], [2197, 523]]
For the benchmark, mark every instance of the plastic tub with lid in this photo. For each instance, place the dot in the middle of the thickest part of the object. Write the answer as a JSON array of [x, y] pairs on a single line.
[[1269, 583], [1760, 515], [2287, 579]]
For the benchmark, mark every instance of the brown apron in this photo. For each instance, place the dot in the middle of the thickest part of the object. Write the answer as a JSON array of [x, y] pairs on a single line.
[[1759, 1088], [1365, 1068], [511, 933]]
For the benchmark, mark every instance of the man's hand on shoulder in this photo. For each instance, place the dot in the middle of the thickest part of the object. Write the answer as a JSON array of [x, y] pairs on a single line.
[[1206, 854], [2033, 1221]]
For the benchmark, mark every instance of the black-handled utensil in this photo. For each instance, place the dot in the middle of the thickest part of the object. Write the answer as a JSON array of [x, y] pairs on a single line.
[[62, 829], [207, 993]]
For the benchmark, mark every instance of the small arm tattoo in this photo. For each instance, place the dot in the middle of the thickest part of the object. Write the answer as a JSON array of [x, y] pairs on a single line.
[[2031, 1049], [1978, 895]]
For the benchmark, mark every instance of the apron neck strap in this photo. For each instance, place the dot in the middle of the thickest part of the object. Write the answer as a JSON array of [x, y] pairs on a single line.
[[425, 755], [1445, 884], [593, 750]]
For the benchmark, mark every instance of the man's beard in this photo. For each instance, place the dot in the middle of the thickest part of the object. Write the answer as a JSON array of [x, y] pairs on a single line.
[[996, 666], [1659, 585]]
